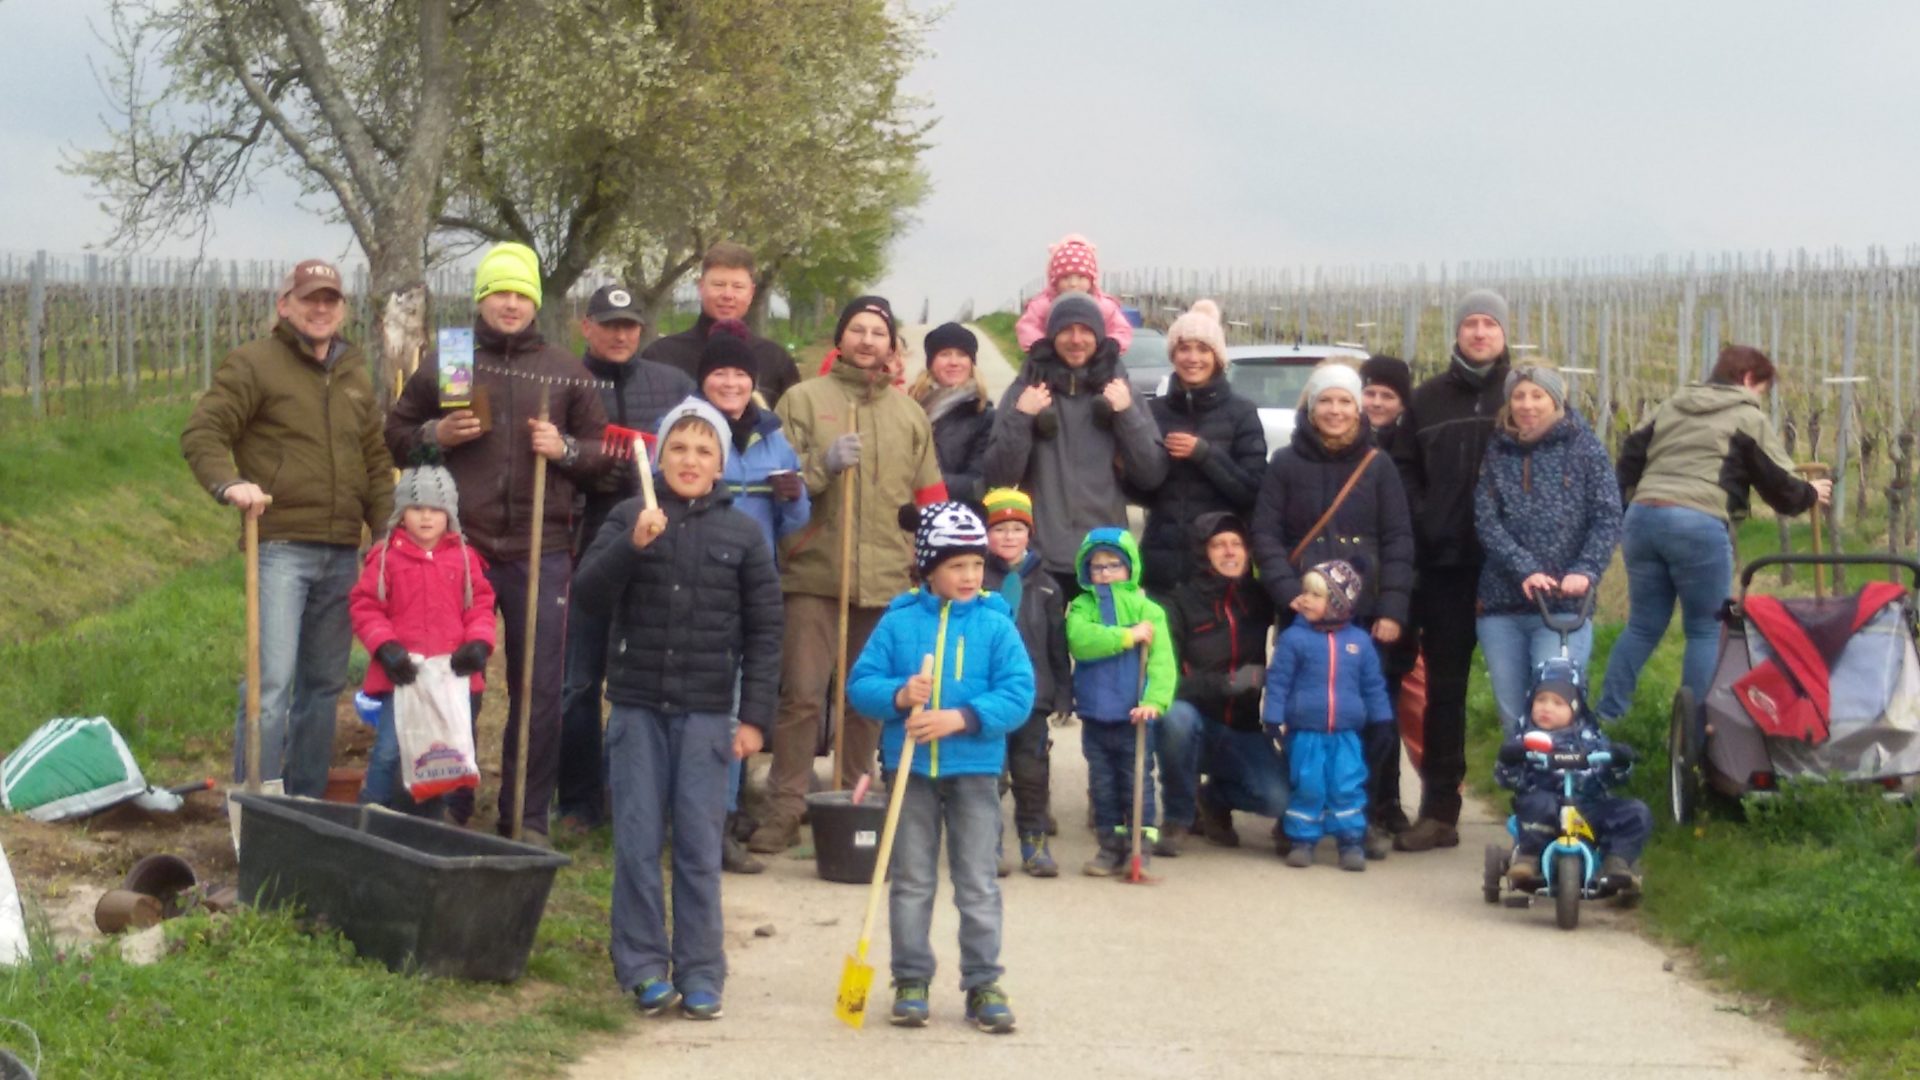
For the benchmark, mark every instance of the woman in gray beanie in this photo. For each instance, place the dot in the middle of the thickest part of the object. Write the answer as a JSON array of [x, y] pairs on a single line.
[[1547, 513]]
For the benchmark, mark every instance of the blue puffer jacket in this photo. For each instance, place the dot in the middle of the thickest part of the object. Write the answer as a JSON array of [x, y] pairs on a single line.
[[1325, 681], [1582, 736], [767, 451], [980, 667], [1549, 507]]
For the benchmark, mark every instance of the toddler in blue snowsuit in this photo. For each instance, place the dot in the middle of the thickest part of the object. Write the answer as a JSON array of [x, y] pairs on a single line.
[[1324, 685]]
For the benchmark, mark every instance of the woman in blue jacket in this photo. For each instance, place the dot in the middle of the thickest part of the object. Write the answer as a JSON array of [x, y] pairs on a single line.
[[1547, 513]]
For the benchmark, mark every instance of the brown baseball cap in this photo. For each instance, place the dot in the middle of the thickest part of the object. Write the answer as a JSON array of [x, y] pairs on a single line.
[[310, 277]]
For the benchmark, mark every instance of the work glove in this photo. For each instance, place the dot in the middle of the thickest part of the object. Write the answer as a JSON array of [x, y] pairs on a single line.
[[844, 453], [398, 665], [786, 485], [471, 658], [1246, 677]]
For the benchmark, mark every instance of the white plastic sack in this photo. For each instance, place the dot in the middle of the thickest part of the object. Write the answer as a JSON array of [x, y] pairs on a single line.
[[13, 918], [434, 721]]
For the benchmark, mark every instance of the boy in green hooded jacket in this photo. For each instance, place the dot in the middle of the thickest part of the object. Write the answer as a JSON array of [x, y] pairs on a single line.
[[1109, 627]]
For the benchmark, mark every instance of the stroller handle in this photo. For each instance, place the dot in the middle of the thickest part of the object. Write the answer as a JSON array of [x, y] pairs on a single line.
[[1565, 624], [1898, 562]]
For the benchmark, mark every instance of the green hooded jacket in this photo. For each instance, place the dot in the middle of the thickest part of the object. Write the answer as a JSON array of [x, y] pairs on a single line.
[[1106, 680]]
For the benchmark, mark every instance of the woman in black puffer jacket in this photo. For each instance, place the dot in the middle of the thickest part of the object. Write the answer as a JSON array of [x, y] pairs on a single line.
[[959, 408], [1215, 446], [1371, 528]]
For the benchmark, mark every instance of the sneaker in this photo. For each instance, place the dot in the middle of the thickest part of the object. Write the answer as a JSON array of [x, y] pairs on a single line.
[[1624, 876], [701, 1005], [1426, 835], [1377, 844], [1299, 857], [774, 836], [1353, 858], [1523, 872], [1216, 824], [987, 1009], [734, 858], [1172, 839], [1111, 859], [909, 1003], [1035, 859], [655, 996]]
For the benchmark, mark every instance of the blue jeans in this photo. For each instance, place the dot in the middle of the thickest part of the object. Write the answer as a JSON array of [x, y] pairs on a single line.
[[1176, 743], [1672, 553], [969, 807], [306, 636], [581, 787], [1109, 751], [382, 785], [667, 774], [1244, 770], [1513, 646]]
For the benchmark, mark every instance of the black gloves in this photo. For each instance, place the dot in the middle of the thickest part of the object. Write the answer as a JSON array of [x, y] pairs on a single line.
[[399, 666], [471, 658], [1513, 754]]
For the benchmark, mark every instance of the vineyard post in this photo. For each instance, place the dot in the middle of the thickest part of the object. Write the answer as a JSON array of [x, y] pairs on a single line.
[[36, 343]]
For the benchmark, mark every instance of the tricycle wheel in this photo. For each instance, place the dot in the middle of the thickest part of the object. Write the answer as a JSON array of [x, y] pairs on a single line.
[[1496, 868], [1569, 875], [1683, 757]]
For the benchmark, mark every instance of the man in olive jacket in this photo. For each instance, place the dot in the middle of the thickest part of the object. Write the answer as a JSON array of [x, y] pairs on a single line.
[[289, 433], [853, 433]]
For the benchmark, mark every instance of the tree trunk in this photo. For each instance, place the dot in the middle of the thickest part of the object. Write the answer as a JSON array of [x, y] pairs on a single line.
[[398, 281]]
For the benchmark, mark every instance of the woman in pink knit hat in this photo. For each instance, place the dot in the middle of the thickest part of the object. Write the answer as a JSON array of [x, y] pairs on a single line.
[[1073, 265]]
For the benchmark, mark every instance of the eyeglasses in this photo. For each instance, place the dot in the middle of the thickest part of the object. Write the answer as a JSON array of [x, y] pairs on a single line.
[[1106, 568]]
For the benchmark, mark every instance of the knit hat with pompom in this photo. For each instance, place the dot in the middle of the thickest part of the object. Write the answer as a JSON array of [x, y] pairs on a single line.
[[1200, 323]]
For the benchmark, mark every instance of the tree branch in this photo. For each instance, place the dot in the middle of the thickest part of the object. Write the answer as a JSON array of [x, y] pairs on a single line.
[[303, 37]]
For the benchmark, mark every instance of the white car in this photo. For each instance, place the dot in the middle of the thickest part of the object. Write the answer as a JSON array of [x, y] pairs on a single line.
[[1273, 378]]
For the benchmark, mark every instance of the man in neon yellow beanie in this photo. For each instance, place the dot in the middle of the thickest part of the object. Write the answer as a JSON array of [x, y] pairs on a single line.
[[490, 450]]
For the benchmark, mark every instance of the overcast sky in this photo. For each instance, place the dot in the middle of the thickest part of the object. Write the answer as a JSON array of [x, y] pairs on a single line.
[[1262, 133]]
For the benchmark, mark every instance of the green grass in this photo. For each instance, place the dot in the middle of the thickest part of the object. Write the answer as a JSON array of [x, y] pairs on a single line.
[[260, 994], [1810, 899], [999, 326]]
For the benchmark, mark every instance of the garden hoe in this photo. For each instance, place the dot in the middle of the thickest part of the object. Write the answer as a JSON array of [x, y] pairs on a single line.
[[856, 978], [533, 627]]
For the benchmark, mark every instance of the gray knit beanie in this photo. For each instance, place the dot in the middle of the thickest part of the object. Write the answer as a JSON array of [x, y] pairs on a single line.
[[1546, 378], [1076, 307], [1482, 302], [430, 486]]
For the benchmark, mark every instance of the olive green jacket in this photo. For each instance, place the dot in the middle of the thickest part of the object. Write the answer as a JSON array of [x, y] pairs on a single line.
[[307, 432]]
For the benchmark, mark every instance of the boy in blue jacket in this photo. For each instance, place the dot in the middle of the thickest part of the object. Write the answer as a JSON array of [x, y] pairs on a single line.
[[1324, 685], [981, 690]]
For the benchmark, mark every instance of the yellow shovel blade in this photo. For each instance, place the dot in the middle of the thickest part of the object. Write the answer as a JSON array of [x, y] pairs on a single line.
[[850, 1005]]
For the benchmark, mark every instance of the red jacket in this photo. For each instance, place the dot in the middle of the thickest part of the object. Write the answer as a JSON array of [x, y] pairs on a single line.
[[425, 607]]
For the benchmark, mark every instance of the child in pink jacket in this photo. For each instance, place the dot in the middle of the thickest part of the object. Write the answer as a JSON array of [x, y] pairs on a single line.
[[1073, 265], [423, 592]]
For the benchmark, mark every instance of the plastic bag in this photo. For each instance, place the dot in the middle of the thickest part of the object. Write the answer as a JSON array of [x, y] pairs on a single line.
[[13, 920], [68, 768], [433, 718]]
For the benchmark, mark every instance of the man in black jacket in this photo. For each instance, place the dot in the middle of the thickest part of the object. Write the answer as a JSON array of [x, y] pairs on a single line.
[[1451, 420], [636, 394], [726, 292]]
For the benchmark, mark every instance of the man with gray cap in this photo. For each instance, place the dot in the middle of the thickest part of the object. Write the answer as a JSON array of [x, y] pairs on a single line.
[[636, 393], [1067, 432], [1449, 423], [289, 433]]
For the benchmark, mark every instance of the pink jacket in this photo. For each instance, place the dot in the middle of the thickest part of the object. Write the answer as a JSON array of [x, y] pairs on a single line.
[[425, 608], [1033, 322]]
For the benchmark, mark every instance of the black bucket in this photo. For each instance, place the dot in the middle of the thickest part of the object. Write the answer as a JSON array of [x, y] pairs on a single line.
[[414, 894], [846, 838]]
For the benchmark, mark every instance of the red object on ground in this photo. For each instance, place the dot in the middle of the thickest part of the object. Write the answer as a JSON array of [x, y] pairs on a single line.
[[1411, 711]]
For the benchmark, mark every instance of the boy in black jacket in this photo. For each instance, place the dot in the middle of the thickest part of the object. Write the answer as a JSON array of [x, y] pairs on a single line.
[[1040, 611], [1219, 619], [694, 602]]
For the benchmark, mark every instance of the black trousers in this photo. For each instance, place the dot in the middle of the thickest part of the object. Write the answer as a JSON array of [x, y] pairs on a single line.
[[1444, 609], [1030, 766]]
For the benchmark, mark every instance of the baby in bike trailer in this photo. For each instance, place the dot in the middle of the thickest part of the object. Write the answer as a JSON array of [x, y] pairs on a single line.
[[1557, 709]]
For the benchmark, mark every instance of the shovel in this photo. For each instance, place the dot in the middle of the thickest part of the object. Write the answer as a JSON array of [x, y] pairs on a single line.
[[856, 978], [846, 605], [1135, 875]]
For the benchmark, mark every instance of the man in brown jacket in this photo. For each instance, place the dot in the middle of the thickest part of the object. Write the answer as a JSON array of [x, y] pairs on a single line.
[[491, 458], [289, 433], [855, 435]]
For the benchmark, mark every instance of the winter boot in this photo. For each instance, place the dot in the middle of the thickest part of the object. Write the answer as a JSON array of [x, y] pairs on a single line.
[[1353, 857], [1624, 876], [734, 858], [774, 836], [1172, 839], [1378, 843], [1035, 859], [1109, 860], [1299, 856], [1426, 835]]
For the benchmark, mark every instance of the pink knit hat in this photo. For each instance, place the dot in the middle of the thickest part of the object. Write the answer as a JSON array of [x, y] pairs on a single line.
[[1200, 323], [1073, 254]]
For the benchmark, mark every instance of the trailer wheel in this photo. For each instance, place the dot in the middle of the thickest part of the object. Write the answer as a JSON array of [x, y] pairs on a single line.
[[1683, 757]]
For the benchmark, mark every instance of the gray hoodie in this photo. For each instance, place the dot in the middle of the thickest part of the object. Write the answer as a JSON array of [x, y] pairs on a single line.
[[1706, 447]]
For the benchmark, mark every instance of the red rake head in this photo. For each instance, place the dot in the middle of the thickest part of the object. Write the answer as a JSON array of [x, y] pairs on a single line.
[[617, 441]]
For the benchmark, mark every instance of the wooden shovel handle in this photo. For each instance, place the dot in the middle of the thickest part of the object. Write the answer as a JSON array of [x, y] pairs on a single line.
[[895, 798]]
